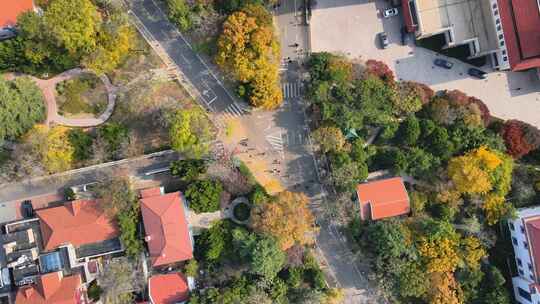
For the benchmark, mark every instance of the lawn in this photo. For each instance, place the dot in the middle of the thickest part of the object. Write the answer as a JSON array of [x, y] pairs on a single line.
[[84, 95], [140, 61], [144, 107]]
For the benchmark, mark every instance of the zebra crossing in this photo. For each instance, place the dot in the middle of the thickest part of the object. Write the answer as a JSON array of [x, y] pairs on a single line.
[[290, 90], [232, 111], [276, 141]]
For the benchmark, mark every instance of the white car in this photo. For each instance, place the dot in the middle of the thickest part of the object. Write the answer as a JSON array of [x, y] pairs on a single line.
[[391, 12]]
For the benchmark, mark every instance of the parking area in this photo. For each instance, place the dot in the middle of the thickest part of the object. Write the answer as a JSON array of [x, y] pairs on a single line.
[[350, 27]]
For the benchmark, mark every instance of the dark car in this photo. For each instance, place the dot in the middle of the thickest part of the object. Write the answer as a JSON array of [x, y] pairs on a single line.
[[26, 209], [443, 63], [384, 40], [477, 73]]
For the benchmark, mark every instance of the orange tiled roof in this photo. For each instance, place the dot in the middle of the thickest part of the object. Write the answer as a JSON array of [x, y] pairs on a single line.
[[51, 288], [10, 9], [168, 288], [78, 222], [383, 198], [167, 232]]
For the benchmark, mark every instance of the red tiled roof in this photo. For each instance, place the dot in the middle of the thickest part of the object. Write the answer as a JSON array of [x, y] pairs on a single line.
[[521, 21], [168, 288], [51, 288], [78, 222], [533, 235], [167, 232], [10, 9], [383, 198]]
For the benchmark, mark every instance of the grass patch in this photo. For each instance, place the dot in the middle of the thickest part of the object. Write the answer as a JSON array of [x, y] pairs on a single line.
[[437, 42], [244, 170], [242, 211], [83, 94], [207, 47]]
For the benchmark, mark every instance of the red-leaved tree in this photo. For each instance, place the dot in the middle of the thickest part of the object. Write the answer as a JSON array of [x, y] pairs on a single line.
[[514, 139], [380, 70]]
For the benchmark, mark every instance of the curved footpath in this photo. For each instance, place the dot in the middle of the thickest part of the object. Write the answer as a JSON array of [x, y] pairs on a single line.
[[48, 87]]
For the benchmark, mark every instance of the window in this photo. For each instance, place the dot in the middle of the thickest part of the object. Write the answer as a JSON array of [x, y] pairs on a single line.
[[505, 58], [501, 43], [532, 277], [514, 241], [499, 28], [521, 272], [496, 12], [511, 226], [504, 53], [494, 5], [525, 245], [530, 266], [524, 294], [522, 229], [501, 36], [498, 21], [519, 261]]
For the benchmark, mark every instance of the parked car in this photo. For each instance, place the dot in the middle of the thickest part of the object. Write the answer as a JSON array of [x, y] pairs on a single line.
[[477, 73], [443, 63], [383, 38], [27, 210], [391, 12]]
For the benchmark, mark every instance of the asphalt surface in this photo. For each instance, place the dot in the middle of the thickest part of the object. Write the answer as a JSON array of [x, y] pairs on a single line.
[[179, 50]]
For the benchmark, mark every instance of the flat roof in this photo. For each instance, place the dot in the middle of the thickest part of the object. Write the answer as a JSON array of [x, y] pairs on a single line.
[[469, 19]]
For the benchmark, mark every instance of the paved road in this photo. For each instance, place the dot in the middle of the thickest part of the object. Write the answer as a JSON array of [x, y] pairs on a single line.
[[180, 51], [12, 193]]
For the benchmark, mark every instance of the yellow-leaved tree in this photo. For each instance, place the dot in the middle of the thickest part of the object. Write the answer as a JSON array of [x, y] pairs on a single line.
[[444, 289], [472, 251], [287, 217], [496, 208], [53, 147], [248, 49]]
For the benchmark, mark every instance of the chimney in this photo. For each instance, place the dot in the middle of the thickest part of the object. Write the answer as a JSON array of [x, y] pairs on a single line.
[[75, 207], [28, 292]]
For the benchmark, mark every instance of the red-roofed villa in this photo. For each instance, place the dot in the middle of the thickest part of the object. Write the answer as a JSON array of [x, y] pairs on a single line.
[[383, 198], [168, 235], [9, 11], [80, 223], [171, 288], [51, 288]]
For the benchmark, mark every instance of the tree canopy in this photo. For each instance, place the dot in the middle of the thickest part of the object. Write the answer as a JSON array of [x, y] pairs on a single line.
[[190, 131]]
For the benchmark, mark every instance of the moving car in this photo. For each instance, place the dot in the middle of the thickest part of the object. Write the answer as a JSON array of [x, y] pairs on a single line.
[[477, 73], [391, 12], [384, 40], [443, 63]]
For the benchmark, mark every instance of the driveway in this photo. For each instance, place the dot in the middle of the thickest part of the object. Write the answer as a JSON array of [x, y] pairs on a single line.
[[350, 27]]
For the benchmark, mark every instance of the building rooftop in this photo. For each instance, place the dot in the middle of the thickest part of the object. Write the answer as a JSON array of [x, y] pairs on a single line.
[[469, 18], [521, 23], [166, 227], [169, 288], [78, 222], [13, 8], [51, 288], [383, 198]]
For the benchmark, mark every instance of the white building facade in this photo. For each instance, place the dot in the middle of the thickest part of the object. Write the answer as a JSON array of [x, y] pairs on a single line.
[[525, 237]]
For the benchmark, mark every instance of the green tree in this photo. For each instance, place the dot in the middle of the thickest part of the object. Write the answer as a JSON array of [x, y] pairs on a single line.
[[180, 14], [204, 195], [214, 245], [409, 131], [21, 106], [190, 131], [261, 251], [188, 170], [82, 143]]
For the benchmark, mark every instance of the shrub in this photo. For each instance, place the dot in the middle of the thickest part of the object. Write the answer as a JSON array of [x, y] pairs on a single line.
[[94, 291], [204, 195], [241, 212], [188, 170], [180, 14]]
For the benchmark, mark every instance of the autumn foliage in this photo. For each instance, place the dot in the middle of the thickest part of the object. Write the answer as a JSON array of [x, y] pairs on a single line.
[[520, 138], [287, 218], [249, 51], [381, 70]]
